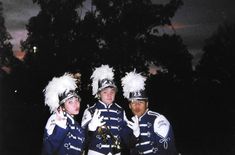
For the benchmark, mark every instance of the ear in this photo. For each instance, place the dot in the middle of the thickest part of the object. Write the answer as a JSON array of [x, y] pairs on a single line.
[[147, 104], [98, 96], [130, 105], [62, 107]]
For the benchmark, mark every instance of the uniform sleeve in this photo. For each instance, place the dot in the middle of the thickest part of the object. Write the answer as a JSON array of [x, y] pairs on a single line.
[[86, 118], [53, 137], [161, 126], [164, 130]]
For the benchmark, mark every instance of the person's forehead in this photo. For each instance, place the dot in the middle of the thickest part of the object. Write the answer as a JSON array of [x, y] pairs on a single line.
[[108, 89], [72, 98]]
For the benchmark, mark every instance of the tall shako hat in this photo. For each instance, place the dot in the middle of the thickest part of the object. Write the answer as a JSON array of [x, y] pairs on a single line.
[[102, 77], [134, 86], [58, 90]]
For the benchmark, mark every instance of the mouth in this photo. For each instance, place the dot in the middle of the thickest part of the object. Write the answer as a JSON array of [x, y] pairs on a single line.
[[137, 110]]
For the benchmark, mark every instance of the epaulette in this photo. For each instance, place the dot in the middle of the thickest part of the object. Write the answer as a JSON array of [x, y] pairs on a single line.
[[118, 106], [92, 109], [153, 113]]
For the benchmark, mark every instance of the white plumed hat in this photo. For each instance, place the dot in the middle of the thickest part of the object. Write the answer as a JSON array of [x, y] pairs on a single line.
[[58, 90], [134, 86], [102, 77]]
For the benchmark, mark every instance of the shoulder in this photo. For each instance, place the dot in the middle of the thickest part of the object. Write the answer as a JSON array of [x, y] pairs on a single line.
[[118, 106], [161, 126], [93, 106], [51, 120], [153, 113], [87, 116], [159, 118], [91, 109]]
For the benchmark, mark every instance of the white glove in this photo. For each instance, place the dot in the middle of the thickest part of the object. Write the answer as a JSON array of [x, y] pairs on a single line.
[[134, 126], [61, 119], [96, 121]]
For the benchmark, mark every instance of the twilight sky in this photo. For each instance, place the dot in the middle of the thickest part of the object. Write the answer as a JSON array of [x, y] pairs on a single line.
[[194, 21]]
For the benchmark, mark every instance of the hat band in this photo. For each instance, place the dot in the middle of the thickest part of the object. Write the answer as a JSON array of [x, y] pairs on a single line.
[[138, 95], [105, 83], [66, 96]]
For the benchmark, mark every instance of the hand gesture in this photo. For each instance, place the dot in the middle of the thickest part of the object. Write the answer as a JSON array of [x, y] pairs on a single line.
[[96, 121], [60, 118], [134, 126]]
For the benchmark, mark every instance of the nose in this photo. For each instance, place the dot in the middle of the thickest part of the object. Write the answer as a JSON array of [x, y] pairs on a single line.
[[76, 103], [109, 94]]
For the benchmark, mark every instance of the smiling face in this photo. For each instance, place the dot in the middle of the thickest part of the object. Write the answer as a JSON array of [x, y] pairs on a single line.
[[107, 95], [72, 106], [138, 107]]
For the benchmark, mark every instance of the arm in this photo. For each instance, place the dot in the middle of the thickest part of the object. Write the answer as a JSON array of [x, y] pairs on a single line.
[[86, 118], [161, 126], [55, 132], [92, 121], [131, 131], [164, 130]]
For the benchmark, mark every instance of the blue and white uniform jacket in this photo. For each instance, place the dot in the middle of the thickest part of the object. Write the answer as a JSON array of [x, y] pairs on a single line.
[[115, 119], [156, 135], [66, 139]]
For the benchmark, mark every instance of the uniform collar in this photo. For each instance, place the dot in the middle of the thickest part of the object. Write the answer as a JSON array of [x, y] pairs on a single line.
[[143, 114], [106, 105], [70, 118]]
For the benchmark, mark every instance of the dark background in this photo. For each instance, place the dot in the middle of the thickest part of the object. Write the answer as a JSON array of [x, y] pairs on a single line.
[[195, 95]]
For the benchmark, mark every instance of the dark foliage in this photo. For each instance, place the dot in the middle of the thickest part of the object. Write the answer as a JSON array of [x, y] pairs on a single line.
[[214, 87]]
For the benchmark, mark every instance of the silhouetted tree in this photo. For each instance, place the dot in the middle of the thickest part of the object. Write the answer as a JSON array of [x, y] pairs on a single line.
[[215, 87], [125, 35], [51, 34], [8, 64], [217, 62], [122, 33], [50, 44], [6, 54]]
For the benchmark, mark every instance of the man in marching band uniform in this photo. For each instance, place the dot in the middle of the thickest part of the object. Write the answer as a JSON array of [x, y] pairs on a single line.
[[155, 132], [105, 120], [63, 135]]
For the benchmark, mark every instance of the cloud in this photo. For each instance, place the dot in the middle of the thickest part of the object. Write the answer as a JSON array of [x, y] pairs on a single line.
[[16, 14], [17, 35]]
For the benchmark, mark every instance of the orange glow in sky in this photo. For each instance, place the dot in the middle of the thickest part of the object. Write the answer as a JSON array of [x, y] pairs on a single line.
[[20, 55]]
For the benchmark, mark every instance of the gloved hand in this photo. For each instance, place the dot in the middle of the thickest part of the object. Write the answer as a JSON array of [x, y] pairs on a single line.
[[60, 119], [134, 126], [96, 121]]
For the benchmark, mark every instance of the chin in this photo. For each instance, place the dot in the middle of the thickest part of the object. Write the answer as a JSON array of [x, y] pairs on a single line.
[[75, 113], [138, 114], [109, 102]]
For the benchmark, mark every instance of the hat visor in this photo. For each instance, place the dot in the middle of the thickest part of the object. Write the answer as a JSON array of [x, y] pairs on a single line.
[[68, 97], [106, 86], [138, 98]]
